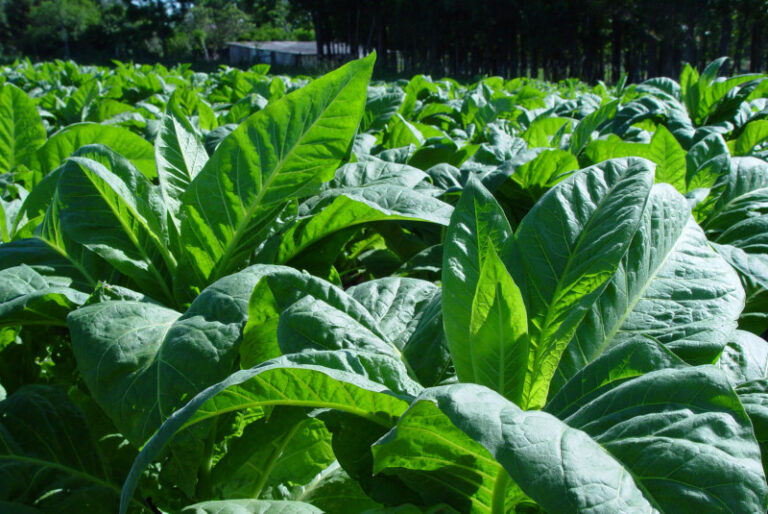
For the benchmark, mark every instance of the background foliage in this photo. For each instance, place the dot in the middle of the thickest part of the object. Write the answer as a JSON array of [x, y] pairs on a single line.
[[592, 39]]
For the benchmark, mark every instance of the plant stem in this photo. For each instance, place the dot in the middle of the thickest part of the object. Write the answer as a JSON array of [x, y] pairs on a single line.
[[498, 504], [204, 484]]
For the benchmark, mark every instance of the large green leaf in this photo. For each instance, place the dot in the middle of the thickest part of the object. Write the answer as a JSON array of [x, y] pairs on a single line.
[[427, 351], [498, 331], [582, 133], [352, 382], [380, 108], [341, 208], [28, 298], [706, 162], [669, 157], [541, 130], [683, 434], [443, 463], [124, 142], [250, 507], [52, 251], [49, 458], [532, 179], [141, 361], [272, 157], [278, 290], [745, 358], [670, 287], [745, 362], [755, 133], [21, 129], [740, 215], [620, 363], [180, 156], [35, 205], [397, 304], [286, 449], [477, 223], [48, 259], [470, 437], [666, 439], [753, 272], [663, 150], [313, 324], [401, 133], [568, 247], [753, 395], [112, 215]]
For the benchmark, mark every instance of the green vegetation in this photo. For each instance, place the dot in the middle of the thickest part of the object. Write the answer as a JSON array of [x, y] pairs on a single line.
[[590, 39], [172, 31], [237, 292]]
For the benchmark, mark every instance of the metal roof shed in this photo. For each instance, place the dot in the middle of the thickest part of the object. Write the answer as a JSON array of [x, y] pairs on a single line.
[[281, 53]]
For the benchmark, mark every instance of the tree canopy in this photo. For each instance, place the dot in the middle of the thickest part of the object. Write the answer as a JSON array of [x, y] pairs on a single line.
[[589, 39]]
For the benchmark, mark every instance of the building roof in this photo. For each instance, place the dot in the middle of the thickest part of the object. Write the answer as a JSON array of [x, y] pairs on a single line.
[[288, 47]]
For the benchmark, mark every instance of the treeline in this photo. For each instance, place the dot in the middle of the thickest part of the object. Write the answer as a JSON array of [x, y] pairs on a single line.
[[146, 30], [589, 39]]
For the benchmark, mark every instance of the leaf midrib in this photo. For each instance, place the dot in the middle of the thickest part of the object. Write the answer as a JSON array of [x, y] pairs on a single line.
[[641, 294], [537, 356], [245, 220]]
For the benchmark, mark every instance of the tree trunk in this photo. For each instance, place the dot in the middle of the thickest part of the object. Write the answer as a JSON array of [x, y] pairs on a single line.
[[757, 50], [616, 42]]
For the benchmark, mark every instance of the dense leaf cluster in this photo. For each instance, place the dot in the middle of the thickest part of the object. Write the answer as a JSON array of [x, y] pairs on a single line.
[[247, 293]]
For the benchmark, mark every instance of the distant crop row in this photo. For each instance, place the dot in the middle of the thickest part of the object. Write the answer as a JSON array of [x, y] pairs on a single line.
[[252, 294]]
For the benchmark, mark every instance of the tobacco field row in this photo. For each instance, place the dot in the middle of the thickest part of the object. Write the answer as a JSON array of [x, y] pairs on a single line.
[[246, 294]]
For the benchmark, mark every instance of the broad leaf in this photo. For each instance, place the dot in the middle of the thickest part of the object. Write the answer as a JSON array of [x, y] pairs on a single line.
[[444, 464], [740, 215], [379, 109], [341, 208], [141, 361], [706, 162], [286, 449], [250, 507], [273, 156], [683, 434], [427, 351], [124, 142], [28, 298], [582, 133], [21, 129], [280, 288], [670, 287], [49, 458], [569, 245], [112, 215], [312, 324], [559, 467], [745, 362], [753, 272], [669, 157], [180, 156], [498, 328], [397, 304], [351, 382], [755, 133], [477, 223]]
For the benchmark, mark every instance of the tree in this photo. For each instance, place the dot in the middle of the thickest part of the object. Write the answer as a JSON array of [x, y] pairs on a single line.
[[212, 25], [63, 20]]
